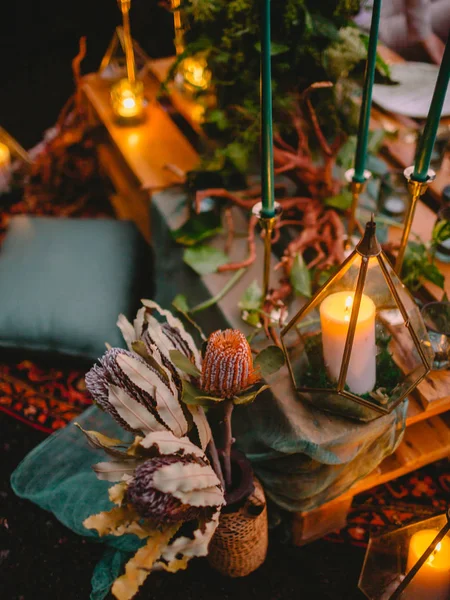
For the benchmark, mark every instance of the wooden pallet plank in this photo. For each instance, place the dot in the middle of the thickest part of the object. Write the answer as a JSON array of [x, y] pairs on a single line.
[[314, 524], [130, 202], [424, 443]]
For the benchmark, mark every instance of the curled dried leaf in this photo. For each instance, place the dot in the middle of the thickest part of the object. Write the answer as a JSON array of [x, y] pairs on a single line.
[[138, 568]]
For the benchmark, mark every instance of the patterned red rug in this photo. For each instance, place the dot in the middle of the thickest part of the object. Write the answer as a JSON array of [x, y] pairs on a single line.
[[44, 397], [419, 495]]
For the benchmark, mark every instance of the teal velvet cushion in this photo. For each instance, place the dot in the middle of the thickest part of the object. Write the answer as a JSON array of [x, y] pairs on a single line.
[[63, 283]]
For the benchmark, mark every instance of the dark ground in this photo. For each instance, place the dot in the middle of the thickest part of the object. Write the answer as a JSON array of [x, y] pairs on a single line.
[[40, 558]]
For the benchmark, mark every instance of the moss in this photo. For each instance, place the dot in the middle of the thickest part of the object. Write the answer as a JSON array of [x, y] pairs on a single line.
[[315, 376]]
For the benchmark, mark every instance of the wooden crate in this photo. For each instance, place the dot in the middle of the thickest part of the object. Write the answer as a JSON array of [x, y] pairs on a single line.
[[426, 439], [138, 159]]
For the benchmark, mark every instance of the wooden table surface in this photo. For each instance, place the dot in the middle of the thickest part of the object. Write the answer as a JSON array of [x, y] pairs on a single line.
[[400, 152], [150, 146]]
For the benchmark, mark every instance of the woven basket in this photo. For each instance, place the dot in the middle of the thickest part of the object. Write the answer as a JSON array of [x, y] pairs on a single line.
[[239, 545]]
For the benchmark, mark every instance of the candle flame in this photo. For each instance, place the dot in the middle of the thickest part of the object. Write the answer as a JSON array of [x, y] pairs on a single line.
[[129, 102], [435, 551], [348, 305]]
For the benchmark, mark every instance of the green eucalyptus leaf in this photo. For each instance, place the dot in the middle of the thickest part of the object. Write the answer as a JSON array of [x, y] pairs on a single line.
[[252, 317], [190, 394], [441, 232], [252, 297], [323, 27], [238, 154], [198, 228], [269, 360], [346, 154], [432, 273], [180, 303], [342, 201], [194, 396], [300, 277], [275, 49], [219, 118], [248, 398], [204, 259], [183, 363]]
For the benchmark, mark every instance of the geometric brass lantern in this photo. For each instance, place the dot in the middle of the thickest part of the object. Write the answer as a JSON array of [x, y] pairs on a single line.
[[359, 346], [410, 563]]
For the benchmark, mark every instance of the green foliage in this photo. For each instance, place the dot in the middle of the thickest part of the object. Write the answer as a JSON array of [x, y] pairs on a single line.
[[204, 259], [345, 53], [342, 201], [252, 297], [301, 277], [250, 304], [441, 233], [310, 40], [389, 375], [198, 228], [269, 360], [418, 265], [183, 363]]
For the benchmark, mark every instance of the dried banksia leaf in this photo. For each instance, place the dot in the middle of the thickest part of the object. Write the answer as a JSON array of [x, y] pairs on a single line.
[[145, 495], [228, 364]]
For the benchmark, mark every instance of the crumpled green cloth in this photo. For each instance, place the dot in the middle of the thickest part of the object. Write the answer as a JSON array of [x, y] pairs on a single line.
[[57, 476], [305, 457]]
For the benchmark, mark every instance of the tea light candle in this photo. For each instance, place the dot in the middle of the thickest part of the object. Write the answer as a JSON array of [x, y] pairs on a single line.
[[5, 156], [394, 206], [432, 581], [335, 312], [127, 99], [196, 73]]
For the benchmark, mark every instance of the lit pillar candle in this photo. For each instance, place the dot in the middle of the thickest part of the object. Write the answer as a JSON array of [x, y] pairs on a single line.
[[127, 99], [335, 312], [432, 581]]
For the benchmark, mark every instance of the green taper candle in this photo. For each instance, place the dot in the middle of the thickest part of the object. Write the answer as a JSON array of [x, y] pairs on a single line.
[[426, 143], [366, 104], [268, 192]]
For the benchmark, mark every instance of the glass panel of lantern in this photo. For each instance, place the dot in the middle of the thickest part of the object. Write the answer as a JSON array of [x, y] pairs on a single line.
[[387, 573], [360, 345]]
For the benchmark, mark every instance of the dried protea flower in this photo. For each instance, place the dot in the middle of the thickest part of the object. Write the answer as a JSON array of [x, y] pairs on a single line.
[[228, 364], [158, 481]]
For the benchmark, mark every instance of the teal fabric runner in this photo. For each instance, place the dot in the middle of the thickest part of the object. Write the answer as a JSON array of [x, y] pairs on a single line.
[[57, 476]]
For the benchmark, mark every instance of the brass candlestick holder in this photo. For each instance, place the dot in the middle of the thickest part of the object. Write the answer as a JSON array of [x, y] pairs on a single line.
[[356, 188], [127, 95], [268, 224], [178, 27], [124, 6], [417, 190]]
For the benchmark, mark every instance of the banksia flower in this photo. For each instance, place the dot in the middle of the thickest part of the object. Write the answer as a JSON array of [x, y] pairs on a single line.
[[157, 483], [228, 364]]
